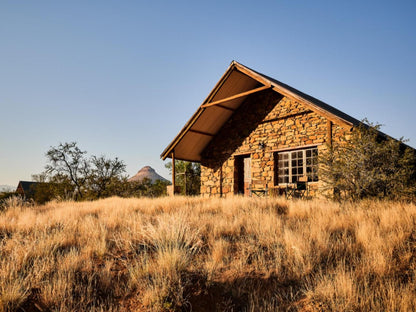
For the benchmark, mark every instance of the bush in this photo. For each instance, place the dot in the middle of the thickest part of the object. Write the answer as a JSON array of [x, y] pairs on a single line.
[[144, 188], [368, 164]]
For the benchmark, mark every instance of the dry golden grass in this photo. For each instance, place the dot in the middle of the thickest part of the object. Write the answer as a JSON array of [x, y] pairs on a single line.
[[195, 254]]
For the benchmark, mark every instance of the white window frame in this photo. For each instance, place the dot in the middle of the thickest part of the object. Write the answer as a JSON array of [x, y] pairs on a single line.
[[304, 165]]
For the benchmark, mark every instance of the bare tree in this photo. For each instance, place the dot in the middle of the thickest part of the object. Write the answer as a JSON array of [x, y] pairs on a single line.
[[68, 160], [105, 173]]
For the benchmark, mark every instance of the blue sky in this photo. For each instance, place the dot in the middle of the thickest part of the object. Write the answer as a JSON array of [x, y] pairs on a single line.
[[121, 78]]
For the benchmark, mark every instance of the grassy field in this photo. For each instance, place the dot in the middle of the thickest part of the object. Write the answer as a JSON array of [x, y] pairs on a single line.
[[194, 254]]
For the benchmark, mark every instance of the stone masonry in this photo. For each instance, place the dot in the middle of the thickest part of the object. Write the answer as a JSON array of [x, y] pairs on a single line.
[[265, 117]]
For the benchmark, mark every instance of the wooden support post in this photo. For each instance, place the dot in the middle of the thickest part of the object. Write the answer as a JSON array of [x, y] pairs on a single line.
[[173, 173], [329, 133]]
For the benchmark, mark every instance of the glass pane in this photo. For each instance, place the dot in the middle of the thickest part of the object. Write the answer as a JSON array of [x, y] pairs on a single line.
[[293, 162], [283, 179], [300, 154], [308, 153]]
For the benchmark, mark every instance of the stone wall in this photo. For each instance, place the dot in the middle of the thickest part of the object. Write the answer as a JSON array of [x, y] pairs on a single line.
[[265, 117]]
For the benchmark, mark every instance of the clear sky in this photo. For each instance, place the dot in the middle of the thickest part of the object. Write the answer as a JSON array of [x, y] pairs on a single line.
[[121, 78]]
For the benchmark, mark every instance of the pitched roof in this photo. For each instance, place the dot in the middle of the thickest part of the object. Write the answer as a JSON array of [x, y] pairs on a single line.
[[237, 83], [28, 187]]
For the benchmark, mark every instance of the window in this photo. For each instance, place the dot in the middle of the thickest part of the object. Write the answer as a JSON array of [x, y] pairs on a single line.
[[291, 165]]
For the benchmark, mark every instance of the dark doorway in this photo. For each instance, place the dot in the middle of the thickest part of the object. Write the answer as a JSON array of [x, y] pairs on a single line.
[[242, 174]]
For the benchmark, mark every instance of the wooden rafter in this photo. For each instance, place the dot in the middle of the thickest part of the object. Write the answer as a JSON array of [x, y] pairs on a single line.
[[201, 132], [236, 96], [225, 107]]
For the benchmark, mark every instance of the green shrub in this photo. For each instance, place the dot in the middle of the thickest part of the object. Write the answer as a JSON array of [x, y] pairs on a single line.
[[368, 164]]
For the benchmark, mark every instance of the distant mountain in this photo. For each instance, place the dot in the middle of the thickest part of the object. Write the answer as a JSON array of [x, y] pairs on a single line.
[[7, 188], [147, 172]]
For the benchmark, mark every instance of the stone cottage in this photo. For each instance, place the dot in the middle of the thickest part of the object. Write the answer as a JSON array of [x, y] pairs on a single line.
[[253, 131]]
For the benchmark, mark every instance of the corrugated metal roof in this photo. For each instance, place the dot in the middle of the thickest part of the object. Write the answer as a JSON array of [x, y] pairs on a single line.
[[208, 120]]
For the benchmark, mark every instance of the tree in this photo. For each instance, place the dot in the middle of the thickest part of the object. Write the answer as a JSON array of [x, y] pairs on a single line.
[[105, 175], [188, 176], [146, 188], [69, 161], [70, 172], [368, 164], [57, 186]]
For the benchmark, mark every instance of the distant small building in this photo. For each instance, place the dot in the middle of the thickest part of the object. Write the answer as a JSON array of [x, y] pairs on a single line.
[[27, 188]]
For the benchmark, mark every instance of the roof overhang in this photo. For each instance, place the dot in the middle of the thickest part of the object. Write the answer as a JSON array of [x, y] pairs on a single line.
[[237, 83]]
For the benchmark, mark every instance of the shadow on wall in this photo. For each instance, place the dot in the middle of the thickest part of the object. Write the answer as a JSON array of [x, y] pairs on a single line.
[[243, 122]]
